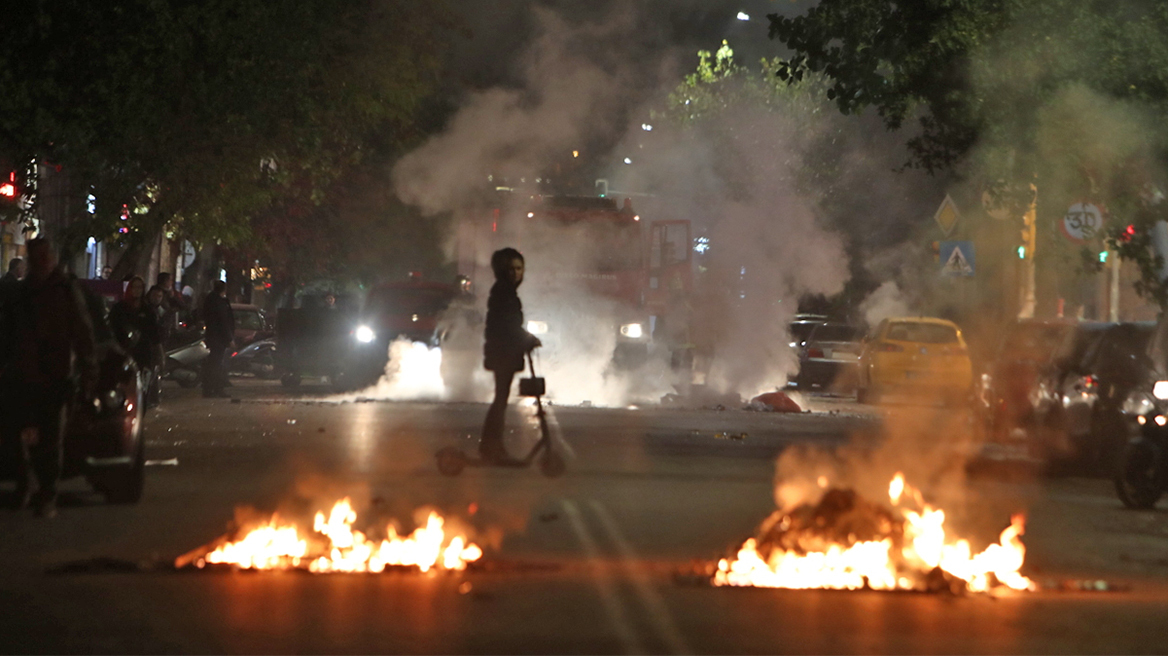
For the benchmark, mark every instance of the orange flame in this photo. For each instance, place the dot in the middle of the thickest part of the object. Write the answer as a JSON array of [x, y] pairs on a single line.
[[342, 549], [874, 563]]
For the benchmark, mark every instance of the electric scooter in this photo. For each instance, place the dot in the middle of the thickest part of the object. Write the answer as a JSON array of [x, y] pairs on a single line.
[[452, 460]]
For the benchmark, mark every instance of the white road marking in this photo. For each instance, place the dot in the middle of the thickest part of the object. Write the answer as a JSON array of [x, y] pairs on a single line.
[[650, 598], [557, 435], [604, 582]]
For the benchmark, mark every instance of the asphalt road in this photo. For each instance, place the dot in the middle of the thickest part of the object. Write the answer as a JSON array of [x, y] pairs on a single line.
[[585, 563]]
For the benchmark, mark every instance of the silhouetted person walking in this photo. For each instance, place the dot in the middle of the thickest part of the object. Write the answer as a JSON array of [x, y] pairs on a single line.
[[506, 344], [53, 355], [220, 322], [138, 330]]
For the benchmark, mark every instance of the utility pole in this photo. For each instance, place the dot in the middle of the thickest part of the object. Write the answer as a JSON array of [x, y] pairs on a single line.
[[1026, 295], [1113, 297]]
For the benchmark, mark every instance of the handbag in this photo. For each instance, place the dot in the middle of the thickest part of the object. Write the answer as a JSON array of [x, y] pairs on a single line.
[[533, 386]]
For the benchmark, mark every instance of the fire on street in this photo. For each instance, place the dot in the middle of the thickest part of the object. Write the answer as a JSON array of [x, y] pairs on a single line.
[[593, 562]]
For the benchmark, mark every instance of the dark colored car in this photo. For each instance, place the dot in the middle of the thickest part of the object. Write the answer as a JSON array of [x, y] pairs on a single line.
[[257, 359], [103, 439], [1009, 382], [352, 348], [1080, 411], [830, 358]]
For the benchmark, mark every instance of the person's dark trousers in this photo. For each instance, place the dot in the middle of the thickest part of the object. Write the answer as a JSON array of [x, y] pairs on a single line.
[[47, 409], [12, 417], [213, 375], [491, 444]]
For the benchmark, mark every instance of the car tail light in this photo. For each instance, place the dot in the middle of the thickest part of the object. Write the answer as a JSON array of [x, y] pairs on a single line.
[[1089, 382], [889, 348], [814, 353]]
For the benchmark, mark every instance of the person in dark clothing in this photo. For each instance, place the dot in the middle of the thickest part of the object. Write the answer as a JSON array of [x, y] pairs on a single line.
[[53, 355], [506, 344], [137, 329], [220, 322], [174, 306]]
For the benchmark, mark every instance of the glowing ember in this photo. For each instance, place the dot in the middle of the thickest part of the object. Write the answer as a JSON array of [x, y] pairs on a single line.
[[335, 547], [870, 547]]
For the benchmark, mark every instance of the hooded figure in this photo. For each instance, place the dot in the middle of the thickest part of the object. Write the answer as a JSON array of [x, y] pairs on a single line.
[[505, 346]]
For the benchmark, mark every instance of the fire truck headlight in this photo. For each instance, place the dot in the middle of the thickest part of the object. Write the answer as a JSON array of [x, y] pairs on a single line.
[[632, 330], [537, 327], [365, 334]]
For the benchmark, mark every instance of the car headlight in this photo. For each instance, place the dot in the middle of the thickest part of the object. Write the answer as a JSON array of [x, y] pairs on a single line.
[[365, 334], [537, 327], [632, 330], [1160, 389]]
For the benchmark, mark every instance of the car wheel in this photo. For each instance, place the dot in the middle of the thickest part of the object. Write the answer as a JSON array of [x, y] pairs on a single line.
[[867, 395], [1137, 483], [451, 461]]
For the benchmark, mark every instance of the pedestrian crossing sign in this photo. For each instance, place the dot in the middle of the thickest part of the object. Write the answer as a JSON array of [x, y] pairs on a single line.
[[957, 258]]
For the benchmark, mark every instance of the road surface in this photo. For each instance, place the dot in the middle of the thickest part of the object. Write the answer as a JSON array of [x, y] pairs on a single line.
[[581, 564]]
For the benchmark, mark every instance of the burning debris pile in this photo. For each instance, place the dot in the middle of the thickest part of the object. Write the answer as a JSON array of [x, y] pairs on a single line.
[[333, 546], [847, 542]]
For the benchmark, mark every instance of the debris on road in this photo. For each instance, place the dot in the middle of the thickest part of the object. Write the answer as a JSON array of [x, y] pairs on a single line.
[[773, 402]]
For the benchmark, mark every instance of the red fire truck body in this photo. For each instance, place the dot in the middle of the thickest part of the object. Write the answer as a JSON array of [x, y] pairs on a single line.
[[591, 262]]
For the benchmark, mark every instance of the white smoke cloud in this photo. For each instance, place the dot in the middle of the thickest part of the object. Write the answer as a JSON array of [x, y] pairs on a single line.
[[887, 301], [735, 181]]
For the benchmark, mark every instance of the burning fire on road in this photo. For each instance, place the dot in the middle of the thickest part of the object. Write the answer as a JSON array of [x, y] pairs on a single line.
[[334, 546], [846, 542]]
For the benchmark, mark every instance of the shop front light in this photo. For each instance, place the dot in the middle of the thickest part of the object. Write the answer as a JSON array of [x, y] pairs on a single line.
[[537, 327]]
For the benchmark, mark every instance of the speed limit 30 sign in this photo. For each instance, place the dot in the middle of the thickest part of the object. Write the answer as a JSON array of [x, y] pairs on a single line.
[[1082, 222]]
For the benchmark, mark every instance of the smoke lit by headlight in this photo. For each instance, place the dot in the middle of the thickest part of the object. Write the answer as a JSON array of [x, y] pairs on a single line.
[[1160, 389], [365, 334], [537, 327]]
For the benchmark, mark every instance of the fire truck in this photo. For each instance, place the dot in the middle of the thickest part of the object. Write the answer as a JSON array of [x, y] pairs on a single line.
[[598, 276]]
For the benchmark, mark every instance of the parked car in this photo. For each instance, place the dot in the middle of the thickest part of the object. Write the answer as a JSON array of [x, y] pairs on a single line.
[[800, 329], [251, 324], [922, 356], [103, 440], [1009, 382], [1081, 403], [830, 358]]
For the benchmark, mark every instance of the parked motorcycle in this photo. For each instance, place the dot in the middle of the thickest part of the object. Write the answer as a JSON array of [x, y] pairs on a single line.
[[1142, 474], [184, 362], [257, 358]]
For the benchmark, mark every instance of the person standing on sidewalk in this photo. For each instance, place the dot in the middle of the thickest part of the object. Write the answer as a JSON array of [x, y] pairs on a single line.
[[220, 323]]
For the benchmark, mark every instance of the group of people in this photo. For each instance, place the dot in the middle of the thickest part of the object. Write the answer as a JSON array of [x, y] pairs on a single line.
[[49, 329]]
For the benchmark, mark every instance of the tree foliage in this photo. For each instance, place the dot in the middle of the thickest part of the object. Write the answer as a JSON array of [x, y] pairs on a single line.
[[201, 115], [1070, 94]]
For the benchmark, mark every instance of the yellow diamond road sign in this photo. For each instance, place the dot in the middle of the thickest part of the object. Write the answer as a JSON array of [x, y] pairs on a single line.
[[946, 215]]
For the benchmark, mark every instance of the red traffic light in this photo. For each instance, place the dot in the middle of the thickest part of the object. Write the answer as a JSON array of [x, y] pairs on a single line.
[[8, 189]]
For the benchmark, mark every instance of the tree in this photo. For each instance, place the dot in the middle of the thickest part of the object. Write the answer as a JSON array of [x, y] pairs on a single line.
[[197, 116], [1069, 94]]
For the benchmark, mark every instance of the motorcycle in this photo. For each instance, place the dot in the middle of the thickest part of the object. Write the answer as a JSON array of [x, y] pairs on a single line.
[[257, 358], [184, 361], [1142, 474]]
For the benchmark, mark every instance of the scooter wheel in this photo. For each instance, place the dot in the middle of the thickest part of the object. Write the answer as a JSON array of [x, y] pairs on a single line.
[[552, 464], [1138, 482], [451, 461]]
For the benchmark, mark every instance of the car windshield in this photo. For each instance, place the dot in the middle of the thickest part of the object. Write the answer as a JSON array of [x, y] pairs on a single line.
[[389, 301], [922, 333], [834, 333], [248, 320], [801, 330]]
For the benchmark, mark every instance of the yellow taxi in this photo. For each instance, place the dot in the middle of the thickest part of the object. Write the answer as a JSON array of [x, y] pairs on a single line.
[[915, 355]]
